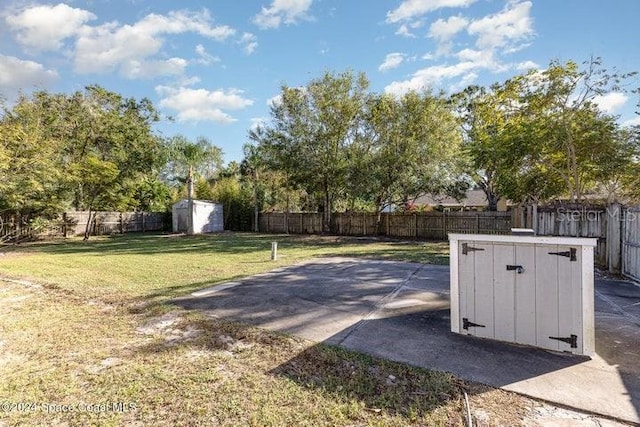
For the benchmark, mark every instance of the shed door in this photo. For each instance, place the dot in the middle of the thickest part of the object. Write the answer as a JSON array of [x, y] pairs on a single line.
[[558, 297], [476, 288], [527, 294]]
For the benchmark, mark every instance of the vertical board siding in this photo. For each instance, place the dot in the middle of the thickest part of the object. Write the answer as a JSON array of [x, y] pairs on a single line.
[[575, 222], [631, 243], [116, 222], [73, 223], [422, 225]]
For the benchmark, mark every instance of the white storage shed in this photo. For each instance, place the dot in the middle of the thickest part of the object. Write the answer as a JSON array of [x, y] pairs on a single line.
[[524, 289], [207, 217]]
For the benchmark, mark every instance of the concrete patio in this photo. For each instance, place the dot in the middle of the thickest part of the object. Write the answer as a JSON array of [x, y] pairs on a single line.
[[400, 311]]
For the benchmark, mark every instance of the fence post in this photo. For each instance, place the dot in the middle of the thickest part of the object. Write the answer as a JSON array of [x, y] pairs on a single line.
[[386, 215], [614, 238], [415, 225], [120, 224], [364, 225], [444, 225], [477, 223], [286, 222]]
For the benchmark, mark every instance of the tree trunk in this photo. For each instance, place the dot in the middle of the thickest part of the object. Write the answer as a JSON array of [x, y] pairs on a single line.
[[379, 209], [87, 227], [326, 217], [256, 208], [492, 199], [490, 194]]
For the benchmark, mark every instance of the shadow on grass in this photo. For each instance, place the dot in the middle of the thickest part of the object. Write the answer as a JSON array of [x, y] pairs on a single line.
[[365, 387], [244, 243], [378, 384]]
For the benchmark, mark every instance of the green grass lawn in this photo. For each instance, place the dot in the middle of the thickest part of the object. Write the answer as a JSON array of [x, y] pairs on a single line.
[[91, 339]]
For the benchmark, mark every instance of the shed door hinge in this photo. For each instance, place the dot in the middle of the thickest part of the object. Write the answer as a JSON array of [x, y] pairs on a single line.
[[571, 254], [572, 340], [466, 248], [466, 324]]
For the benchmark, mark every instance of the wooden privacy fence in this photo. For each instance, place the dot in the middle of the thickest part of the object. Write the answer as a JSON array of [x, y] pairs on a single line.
[[423, 225], [616, 228], [74, 223], [569, 221], [15, 229]]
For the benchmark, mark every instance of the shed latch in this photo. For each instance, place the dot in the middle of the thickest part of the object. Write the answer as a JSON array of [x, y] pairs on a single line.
[[573, 340], [571, 254], [466, 324], [518, 268], [466, 248]]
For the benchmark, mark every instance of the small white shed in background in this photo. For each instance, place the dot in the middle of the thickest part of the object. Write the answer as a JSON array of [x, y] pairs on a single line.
[[207, 217], [524, 289]]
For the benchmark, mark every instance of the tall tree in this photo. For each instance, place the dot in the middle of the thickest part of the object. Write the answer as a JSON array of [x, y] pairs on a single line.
[[90, 150], [311, 131], [541, 135], [31, 175], [189, 160], [409, 146]]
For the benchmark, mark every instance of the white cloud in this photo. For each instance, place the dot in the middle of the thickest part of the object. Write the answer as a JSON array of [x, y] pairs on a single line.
[[410, 9], [17, 74], [445, 30], [184, 21], [282, 12], [201, 104], [610, 102], [258, 121], [431, 76], [274, 101], [632, 122], [250, 43], [148, 69], [46, 27], [391, 61], [527, 65], [505, 29], [466, 80], [205, 58], [113, 47], [404, 31], [496, 35], [442, 30]]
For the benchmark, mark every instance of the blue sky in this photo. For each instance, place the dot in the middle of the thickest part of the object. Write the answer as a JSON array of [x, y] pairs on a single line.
[[214, 66]]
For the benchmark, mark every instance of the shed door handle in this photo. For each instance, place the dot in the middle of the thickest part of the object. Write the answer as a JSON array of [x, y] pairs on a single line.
[[518, 268]]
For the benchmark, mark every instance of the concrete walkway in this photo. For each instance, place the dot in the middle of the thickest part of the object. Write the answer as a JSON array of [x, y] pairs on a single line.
[[400, 311]]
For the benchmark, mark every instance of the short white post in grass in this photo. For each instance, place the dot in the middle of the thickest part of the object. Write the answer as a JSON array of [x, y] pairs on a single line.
[[274, 251]]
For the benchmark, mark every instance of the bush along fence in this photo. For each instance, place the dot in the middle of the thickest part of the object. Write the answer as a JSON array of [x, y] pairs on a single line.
[[15, 229]]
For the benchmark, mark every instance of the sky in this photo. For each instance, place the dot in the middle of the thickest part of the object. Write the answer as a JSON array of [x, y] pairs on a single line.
[[214, 67]]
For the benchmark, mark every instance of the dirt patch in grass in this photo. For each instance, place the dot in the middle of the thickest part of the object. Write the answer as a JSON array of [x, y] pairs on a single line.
[[69, 361]]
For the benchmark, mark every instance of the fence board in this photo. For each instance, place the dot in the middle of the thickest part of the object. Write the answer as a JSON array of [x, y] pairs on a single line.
[[631, 243]]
